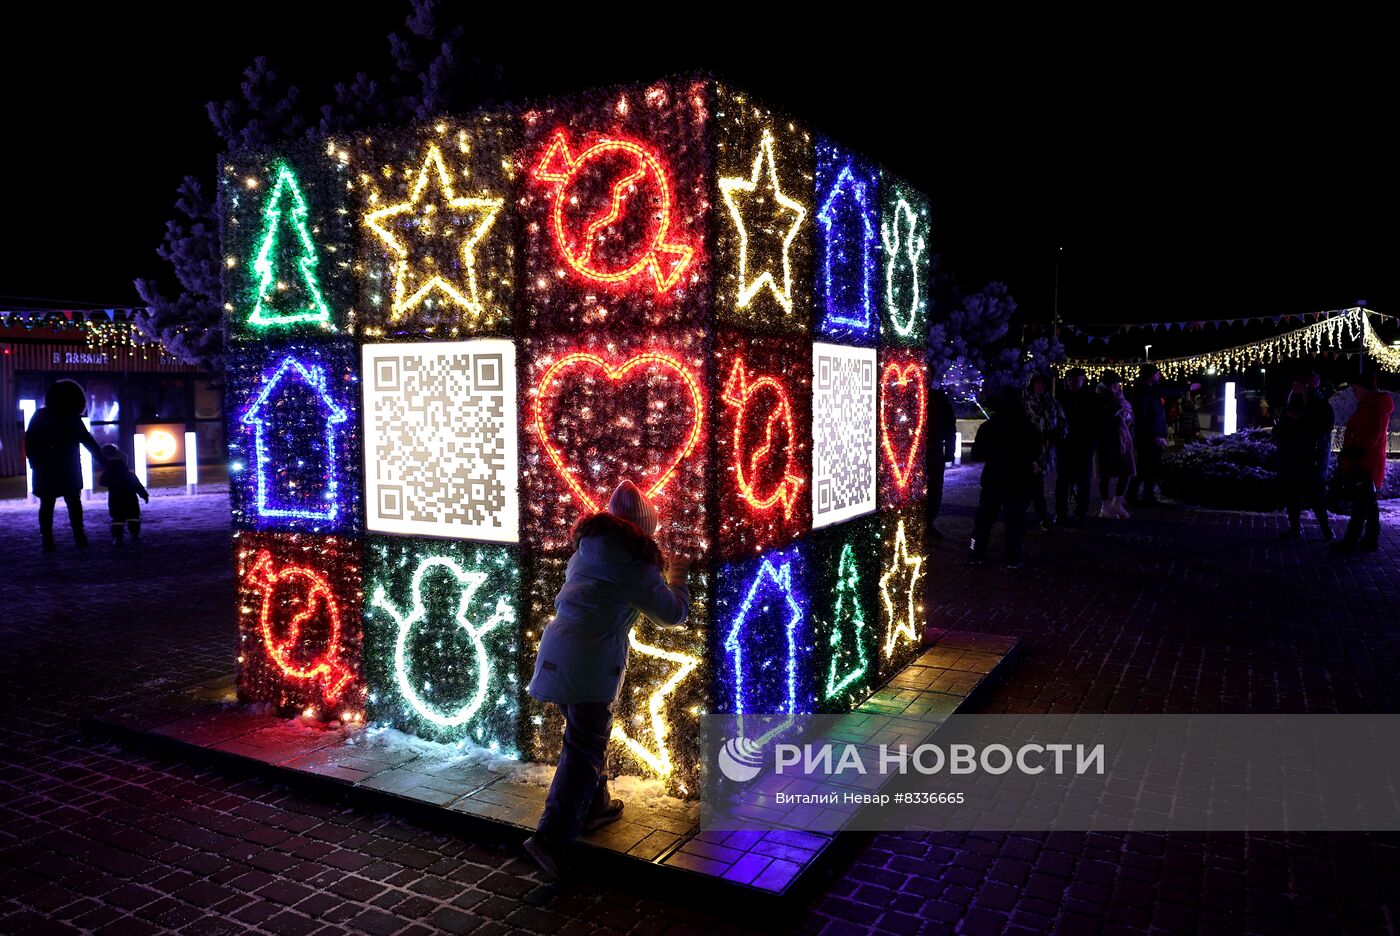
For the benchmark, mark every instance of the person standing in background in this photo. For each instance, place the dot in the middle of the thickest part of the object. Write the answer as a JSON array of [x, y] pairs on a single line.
[[940, 449], [1115, 446], [1047, 417], [1188, 424], [1074, 457], [1006, 445], [1304, 436], [51, 443], [1150, 431], [1361, 467]]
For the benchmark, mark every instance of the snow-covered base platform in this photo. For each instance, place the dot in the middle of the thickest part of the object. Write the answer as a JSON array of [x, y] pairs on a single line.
[[467, 786]]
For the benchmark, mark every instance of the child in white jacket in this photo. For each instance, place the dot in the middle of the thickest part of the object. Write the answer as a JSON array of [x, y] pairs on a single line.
[[614, 576]]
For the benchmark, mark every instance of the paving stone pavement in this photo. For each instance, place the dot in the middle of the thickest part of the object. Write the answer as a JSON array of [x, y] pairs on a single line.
[[1173, 611]]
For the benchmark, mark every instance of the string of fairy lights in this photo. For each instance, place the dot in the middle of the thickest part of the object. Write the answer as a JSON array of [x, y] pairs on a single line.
[[1341, 333], [105, 330]]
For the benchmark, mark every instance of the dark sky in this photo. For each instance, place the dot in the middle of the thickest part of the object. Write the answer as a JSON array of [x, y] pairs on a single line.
[[1188, 171]]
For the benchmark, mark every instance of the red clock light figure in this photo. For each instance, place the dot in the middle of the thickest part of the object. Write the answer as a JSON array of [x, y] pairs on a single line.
[[617, 234]]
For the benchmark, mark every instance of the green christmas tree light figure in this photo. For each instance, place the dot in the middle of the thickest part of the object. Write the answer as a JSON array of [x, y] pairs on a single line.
[[848, 608], [286, 208]]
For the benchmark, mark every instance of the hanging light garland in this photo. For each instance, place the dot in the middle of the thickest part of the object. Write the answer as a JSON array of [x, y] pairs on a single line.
[[1339, 334], [110, 330]]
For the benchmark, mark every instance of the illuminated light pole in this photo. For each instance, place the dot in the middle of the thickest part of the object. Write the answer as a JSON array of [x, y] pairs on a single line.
[[957, 448], [1231, 417], [89, 482], [27, 409], [138, 445], [191, 463]]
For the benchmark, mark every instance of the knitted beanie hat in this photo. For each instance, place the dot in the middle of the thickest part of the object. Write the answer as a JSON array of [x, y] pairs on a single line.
[[631, 504]]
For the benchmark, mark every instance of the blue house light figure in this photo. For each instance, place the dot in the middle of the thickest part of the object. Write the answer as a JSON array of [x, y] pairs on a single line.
[[844, 264], [772, 584], [290, 502]]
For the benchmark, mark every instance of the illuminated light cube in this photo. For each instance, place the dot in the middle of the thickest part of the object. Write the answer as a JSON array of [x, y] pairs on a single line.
[[442, 647], [903, 427], [670, 283], [440, 439], [590, 263], [656, 726], [436, 241], [763, 459], [845, 284], [906, 251], [299, 634], [845, 575], [294, 439], [902, 588], [287, 243]]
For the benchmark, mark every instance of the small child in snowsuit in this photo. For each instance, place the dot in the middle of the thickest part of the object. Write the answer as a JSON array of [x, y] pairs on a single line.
[[123, 487], [615, 576]]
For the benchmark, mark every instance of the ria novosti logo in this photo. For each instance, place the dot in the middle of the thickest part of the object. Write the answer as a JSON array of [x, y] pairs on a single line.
[[740, 759]]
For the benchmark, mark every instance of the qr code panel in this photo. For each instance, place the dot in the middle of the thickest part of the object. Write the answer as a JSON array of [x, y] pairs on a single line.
[[442, 437], [843, 433]]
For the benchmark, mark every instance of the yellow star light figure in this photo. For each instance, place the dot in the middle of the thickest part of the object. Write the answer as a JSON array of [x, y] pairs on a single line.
[[747, 199], [901, 597], [418, 233], [659, 759]]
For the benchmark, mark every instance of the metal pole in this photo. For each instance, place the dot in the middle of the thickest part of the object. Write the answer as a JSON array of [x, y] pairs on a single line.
[[1361, 353]]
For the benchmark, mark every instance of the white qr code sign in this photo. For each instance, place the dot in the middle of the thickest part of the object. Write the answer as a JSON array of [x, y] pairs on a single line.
[[440, 439], [843, 433]]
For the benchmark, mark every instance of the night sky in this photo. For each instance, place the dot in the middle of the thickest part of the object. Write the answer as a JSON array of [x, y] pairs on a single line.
[[1185, 171]]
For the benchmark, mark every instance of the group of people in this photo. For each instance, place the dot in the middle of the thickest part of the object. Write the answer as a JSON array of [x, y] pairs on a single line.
[[51, 443], [1032, 434]]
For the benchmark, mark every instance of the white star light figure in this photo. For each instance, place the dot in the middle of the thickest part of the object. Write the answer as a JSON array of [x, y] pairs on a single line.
[[414, 221], [901, 594], [659, 760], [738, 192]]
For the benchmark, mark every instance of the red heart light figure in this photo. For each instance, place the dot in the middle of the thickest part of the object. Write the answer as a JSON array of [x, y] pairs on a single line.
[[903, 412], [580, 449]]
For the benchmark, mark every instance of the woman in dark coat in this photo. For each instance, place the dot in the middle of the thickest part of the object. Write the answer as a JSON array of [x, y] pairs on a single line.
[[1116, 458], [51, 443], [1304, 439]]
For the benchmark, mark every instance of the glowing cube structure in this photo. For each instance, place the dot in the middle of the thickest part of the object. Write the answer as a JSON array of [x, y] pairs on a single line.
[[449, 341]]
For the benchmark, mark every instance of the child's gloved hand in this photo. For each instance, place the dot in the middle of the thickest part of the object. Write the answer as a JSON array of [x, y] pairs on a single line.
[[146, 498]]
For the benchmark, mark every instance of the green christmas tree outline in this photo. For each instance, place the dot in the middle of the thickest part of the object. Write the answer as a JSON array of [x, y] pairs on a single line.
[[317, 312], [847, 581]]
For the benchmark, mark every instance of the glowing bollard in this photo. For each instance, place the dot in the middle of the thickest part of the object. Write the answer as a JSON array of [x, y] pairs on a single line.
[[138, 445], [89, 482], [191, 463], [957, 448], [1231, 416], [27, 409]]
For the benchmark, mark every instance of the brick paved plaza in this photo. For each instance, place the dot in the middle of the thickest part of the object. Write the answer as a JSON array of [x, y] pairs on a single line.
[[1175, 611]]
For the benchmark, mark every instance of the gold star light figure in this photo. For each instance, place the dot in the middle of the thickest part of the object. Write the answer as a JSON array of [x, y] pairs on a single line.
[[903, 574], [658, 759], [423, 232], [760, 210]]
